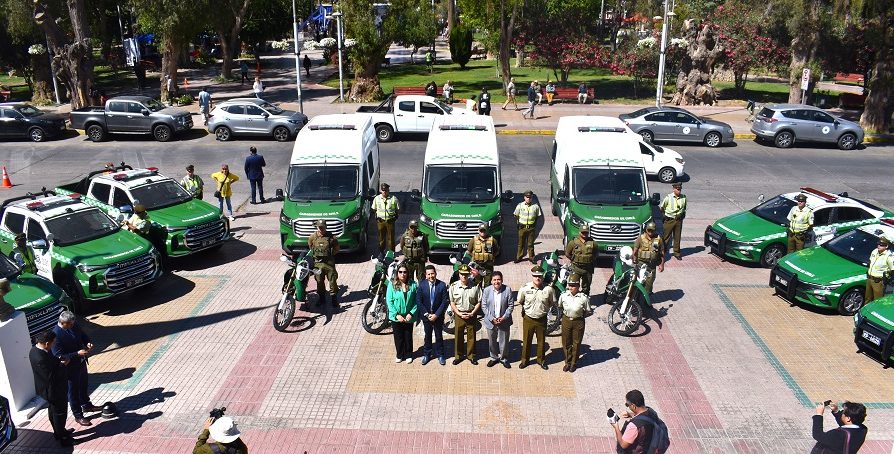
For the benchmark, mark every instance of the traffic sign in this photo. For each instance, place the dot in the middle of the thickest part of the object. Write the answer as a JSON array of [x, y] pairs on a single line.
[[805, 79]]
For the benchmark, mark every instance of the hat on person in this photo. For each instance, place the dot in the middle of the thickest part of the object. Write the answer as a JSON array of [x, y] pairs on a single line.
[[650, 227], [20, 236], [882, 241], [482, 228], [529, 193], [224, 430], [320, 223], [801, 198], [574, 279], [464, 269], [536, 271], [384, 187], [139, 208], [677, 185], [190, 168], [414, 223]]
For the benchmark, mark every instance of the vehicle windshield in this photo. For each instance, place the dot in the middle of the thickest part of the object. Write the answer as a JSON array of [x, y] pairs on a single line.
[[322, 183], [444, 107], [160, 194], [609, 186], [154, 105], [274, 110], [29, 111], [461, 184], [80, 226], [775, 210], [855, 246], [8, 268]]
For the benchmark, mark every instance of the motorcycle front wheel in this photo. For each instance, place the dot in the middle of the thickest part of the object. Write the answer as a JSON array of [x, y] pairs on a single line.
[[374, 317], [553, 321], [625, 322], [284, 312], [449, 323]]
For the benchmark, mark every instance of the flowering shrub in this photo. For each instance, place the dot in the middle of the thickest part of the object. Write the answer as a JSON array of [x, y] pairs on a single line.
[[37, 49], [311, 45], [647, 43], [328, 43], [280, 45], [562, 50]]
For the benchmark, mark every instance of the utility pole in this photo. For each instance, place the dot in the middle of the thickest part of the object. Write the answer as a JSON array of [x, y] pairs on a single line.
[[659, 91], [297, 58], [341, 83]]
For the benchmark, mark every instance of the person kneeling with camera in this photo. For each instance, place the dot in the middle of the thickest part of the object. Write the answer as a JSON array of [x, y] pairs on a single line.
[[223, 430]]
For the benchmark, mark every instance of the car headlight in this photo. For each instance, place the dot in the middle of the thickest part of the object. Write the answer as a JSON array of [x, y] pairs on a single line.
[[857, 318], [426, 220], [284, 219], [577, 220], [295, 122], [84, 268], [355, 217], [680, 160], [729, 129], [828, 287]]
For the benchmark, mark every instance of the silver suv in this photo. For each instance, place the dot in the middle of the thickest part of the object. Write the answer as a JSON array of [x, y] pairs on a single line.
[[786, 123], [253, 116]]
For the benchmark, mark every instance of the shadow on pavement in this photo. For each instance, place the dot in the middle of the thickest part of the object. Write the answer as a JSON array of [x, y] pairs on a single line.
[[127, 421], [589, 357], [230, 251], [168, 287], [37, 441], [104, 378]]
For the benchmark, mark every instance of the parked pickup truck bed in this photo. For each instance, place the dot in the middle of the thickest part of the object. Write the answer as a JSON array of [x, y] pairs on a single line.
[[131, 115], [407, 113]]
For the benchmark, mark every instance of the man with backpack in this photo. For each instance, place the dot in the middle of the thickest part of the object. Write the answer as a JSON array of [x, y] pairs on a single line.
[[644, 432]]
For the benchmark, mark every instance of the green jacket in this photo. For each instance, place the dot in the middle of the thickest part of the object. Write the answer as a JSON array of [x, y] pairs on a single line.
[[400, 302], [203, 447]]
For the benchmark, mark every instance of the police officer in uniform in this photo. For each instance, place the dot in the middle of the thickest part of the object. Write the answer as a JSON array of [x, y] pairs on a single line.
[[526, 214], [582, 253], [648, 250], [881, 263], [674, 209], [23, 255], [386, 207], [484, 250], [574, 306], [465, 300], [536, 299], [324, 247], [800, 222], [414, 246], [139, 222]]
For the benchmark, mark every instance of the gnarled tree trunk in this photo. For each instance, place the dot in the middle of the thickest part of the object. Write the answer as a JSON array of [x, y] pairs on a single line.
[[73, 60], [876, 116], [365, 87], [170, 63], [804, 47], [42, 87], [694, 80], [229, 39]]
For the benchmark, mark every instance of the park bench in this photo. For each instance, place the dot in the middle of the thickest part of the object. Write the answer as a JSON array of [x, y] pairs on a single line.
[[850, 78], [570, 94], [478, 53], [414, 91]]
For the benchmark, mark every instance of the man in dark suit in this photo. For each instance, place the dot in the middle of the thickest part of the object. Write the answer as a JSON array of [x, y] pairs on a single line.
[[50, 384], [74, 345], [254, 171], [431, 299]]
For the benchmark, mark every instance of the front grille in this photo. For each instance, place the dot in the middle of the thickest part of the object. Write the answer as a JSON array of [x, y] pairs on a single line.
[[131, 273], [305, 227], [785, 283], [615, 232], [44, 318], [885, 337], [457, 230], [715, 241], [204, 235]]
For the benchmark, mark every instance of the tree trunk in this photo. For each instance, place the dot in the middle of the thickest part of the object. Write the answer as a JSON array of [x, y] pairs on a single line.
[[230, 41], [170, 63], [694, 80], [519, 57], [42, 88], [451, 15], [507, 26], [226, 69], [879, 106], [73, 60], [804, 47], [365, 87]]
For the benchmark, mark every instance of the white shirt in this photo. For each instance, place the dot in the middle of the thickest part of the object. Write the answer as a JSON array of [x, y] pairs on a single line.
[[258, 87], [498, 302]]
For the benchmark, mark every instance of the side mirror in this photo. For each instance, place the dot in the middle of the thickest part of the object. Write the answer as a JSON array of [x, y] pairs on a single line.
[[51, 238], [370, 194], [453, 260], [843, 194], [760, 198], [39, 244], [508, 196], [283, 258], [562, 197], [145, 112], [837, 122], [415, 195], [265, 115], [280, 195], [126, 209], [656, 197]]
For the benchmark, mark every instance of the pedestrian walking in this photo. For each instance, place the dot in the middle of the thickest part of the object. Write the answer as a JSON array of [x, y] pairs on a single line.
[[401, 301], [243, 69], [550, 92], [414, 246], [193, 183], [674, 209], [582, 93], [387, 208], [254, 171], [581, 251], [324, 246], [881, 264], [850, 434], [432, 301], [497, 303], [23, 255], [526, 214], [536, 299], [538, 90], [648, 250], [74, 345], [306, 63], [465, 301], [532, 101], [171, 87], [205, 104], [484, 102], [510, 94], [430, 61], [258, 88], [51, 384], [574, 307], [800, 223], [224, 191]]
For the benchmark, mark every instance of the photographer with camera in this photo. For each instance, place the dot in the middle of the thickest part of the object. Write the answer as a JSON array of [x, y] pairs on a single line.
[[222, 429], [643, 432], [850, 434]]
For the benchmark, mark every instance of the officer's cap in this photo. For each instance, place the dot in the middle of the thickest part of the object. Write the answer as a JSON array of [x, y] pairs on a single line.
[[384, 187], [677, 185], [801, 198], [650, 227], [414, 223], [574, 279], [464, 269], [529, 193], [20, 236], [320, 223], [882, 241], [482, 228], [139, 208], [536, 271]]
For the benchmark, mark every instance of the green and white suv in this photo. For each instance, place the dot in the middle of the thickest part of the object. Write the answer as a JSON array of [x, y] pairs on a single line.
[[874, 329]]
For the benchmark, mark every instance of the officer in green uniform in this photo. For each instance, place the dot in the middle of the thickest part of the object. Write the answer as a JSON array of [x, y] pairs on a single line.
[[648, 250], [386, 207], [800, 222], [526, 214], [465, 301], [139, 222], [574, 306], [324, 247], [674, 209], [23, 255], [484, 250], [414, 246], [582, 253], [881, 263], [536, 299]]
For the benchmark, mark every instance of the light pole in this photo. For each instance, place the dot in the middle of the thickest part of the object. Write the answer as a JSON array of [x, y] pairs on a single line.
[[297, 59], [341, 83], [659, 91]]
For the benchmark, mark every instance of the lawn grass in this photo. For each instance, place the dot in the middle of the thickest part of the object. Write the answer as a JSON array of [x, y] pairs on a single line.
[[17, 87]]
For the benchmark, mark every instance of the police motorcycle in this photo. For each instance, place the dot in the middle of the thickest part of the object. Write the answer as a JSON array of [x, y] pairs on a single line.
[[557, 276], [626, 294], [294, 287], [481, 276], [374, 317]]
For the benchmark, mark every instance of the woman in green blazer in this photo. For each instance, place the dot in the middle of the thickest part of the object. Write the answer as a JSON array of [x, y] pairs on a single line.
[[401, 299]]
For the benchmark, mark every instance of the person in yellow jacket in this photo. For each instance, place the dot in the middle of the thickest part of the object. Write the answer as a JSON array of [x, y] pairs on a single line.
[[386, 207], [673, 207], [23, 255], [800, 222], [224, 190], [526, 214], [881, 264]]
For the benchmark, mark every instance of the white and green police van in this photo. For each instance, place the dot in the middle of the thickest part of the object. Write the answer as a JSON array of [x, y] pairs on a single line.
[[333, 175], [598, 178], [461, 182]]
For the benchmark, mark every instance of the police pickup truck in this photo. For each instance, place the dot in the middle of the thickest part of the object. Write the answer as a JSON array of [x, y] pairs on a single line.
[[78, 247], [38, 298]]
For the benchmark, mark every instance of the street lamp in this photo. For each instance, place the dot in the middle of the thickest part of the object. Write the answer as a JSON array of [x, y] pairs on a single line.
[[341, 83], [659, 91], [297, 61]]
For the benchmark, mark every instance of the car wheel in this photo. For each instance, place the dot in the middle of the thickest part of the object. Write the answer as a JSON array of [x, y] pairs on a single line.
[[37, 135], [713, 139], [647, 135], [771, 255], [96, 133], [847, 141], [281, 133], [162, 133], [784, 139], [851, 301], [384, 133], [667, 175], [222, 133]]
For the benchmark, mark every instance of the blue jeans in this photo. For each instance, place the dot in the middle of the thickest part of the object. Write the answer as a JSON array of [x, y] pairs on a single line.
[[220, 203], [259, 185]]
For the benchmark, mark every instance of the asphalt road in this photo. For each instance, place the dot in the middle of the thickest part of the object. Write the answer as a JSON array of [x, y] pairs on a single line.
[[718, 181]]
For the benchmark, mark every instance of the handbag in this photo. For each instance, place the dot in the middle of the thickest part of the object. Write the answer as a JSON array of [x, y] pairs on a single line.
[[220, 186]]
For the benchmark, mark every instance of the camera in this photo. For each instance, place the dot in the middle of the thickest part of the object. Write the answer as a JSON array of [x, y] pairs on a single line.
[[827, 403], [612, 416], [216, 413]]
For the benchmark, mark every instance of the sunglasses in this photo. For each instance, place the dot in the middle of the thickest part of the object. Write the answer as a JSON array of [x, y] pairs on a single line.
[[402, 272]]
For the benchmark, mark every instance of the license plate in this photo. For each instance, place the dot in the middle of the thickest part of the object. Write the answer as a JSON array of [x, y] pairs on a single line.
[[133, 282], [713, 240], [780, 280], [613, 248], [459, 245], [872, 338], [207, 243]]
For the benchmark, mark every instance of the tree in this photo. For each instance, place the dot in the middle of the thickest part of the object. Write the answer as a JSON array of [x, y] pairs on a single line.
[[805, 19], [420, 27], [638, 60], [227, 23], [22, 48], [878, 19], [72, 49], [498, 20], [694, 79], [174, 21], [562, 49], [461, 45]]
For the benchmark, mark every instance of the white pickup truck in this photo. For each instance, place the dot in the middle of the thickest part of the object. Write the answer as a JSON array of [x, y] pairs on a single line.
[[407, 113]]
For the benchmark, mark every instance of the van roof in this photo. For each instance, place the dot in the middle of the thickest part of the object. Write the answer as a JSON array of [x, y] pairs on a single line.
[[334, 139], [469, 139], [595, 124], [577, 147]]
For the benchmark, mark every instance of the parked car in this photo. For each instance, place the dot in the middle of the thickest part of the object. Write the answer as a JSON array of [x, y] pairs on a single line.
[[407, 113], [786, 124], [254, 116], [131, 115], [874, 330], [25, 120], [674, 124]]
